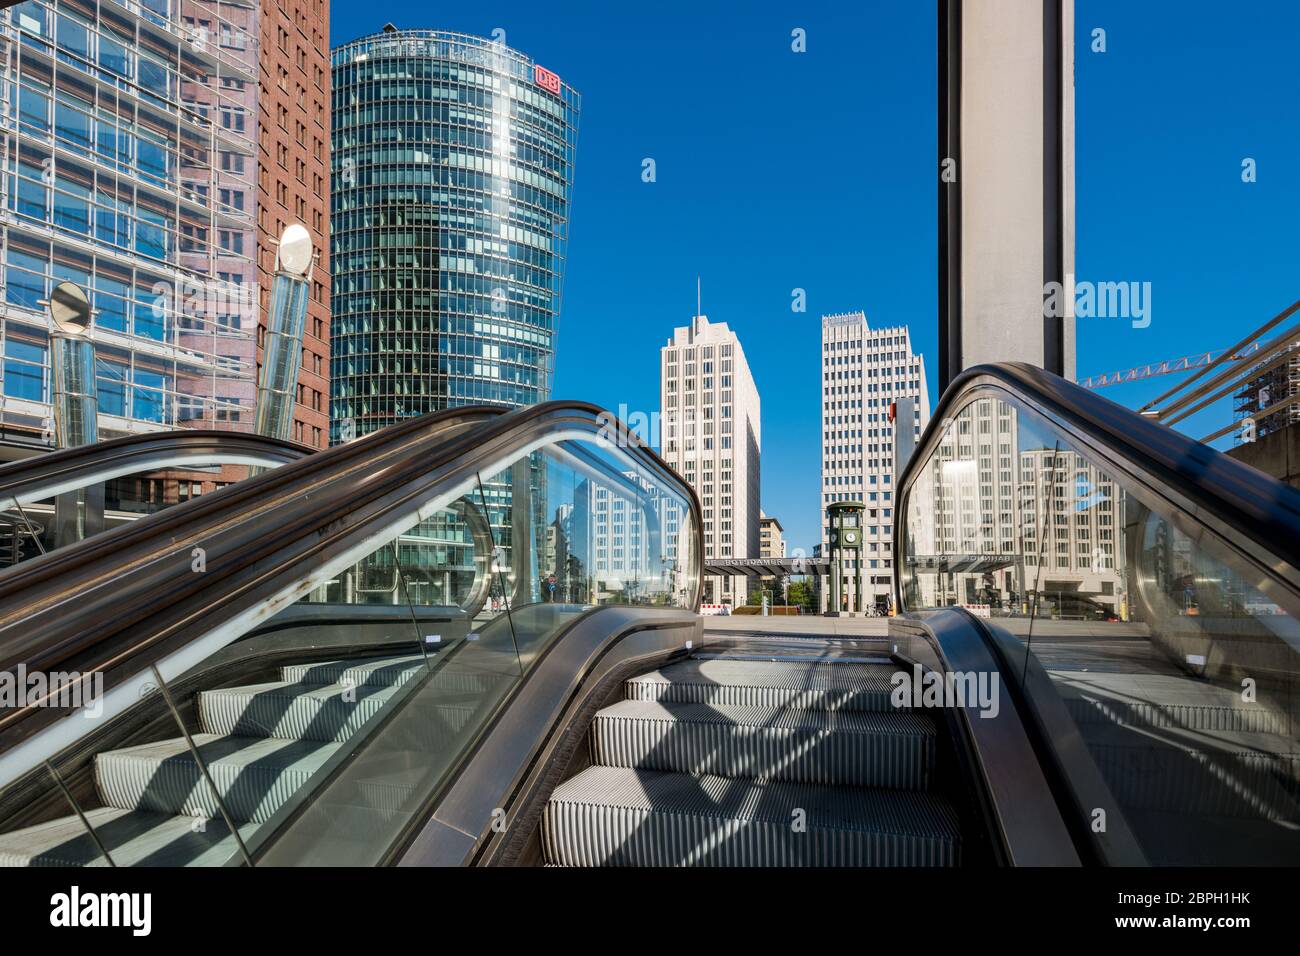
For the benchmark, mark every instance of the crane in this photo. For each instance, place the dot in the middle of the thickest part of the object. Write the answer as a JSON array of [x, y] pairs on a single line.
[[1187, 363]]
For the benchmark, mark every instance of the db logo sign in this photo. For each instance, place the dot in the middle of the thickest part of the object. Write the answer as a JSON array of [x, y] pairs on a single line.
[[546, 79]]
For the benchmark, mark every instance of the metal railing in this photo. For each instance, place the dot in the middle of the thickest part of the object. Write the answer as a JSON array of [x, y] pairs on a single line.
[[1232, 373]]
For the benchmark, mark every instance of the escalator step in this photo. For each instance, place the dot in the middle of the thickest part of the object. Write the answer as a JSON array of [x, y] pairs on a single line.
[[254, 776], [616, 816], [853, 748], [1216, 773], [291, 711], [807, 686], [384, 672], [133, 838], [1158, 700]]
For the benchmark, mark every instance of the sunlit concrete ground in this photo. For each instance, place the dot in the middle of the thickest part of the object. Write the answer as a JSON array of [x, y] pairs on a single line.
[[806, 624]]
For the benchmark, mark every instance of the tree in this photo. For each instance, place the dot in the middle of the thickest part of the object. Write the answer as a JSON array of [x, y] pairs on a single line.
[[801, 593]]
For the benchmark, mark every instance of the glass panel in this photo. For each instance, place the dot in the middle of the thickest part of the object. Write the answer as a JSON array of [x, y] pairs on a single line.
[[438, 567], [1174, 656], [73, 37], [33, 195], [150, 312], [111, 305], [113, 56], [154, 78], [327, 727], [34, 109], [153, 159], [71, 207], [111, 386], [24, 370], [150, 400], [519, 555], [25, 280], [72, 124]]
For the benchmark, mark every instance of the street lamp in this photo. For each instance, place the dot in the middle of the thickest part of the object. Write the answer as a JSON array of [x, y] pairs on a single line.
[[77, 514], [76, 406], [282, 353]]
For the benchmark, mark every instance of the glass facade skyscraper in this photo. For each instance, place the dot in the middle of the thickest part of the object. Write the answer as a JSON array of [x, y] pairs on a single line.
[[452, 172], [130, 169], [153, 150]]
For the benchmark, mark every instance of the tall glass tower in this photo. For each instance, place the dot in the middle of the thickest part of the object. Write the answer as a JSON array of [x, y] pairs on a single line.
[[452, 173]]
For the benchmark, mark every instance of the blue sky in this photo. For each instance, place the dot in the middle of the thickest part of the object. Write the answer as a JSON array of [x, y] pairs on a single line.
[[778, 170]]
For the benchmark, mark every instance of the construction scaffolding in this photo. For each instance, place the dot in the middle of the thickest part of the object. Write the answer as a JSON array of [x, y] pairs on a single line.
[[1267, 386]]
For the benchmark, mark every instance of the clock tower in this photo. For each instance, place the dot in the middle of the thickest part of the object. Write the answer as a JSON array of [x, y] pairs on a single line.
[[845, 537]]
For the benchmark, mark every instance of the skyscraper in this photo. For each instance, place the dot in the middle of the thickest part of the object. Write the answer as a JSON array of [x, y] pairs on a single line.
[[711, 436], [150, 157], [452, 172], [864, 371]]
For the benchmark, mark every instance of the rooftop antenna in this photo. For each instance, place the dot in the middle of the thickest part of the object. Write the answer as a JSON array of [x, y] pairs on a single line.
[[697, 294]]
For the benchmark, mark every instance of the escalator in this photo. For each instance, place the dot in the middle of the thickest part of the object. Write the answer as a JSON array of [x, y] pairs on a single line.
[[471, 639], [1105, 609], [312, 648], [82, 482], [807, 762], [1140, 592]]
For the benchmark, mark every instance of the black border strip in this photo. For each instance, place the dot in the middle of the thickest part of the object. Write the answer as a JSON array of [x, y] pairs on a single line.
[[949, 89], [1053, 181]]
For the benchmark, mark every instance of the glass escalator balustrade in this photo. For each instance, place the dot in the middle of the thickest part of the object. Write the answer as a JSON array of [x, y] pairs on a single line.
[[32, 525], [322, 732], [1163, 663]]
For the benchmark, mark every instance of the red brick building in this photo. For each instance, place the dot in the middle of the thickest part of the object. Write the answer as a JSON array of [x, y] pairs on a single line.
[[293, 181]]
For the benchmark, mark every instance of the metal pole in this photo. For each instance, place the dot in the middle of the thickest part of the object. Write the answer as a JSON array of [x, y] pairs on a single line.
[[77, 514], [282, 350]]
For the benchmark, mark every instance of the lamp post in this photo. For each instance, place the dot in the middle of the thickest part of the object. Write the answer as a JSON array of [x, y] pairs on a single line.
[[77, 514], [76, 407], [282, 350]]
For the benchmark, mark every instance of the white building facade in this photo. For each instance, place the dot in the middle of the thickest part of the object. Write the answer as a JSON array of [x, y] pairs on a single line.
[[710, 434], [864, 371]]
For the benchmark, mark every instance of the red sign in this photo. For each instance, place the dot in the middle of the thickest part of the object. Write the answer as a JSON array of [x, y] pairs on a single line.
[[546, 79]]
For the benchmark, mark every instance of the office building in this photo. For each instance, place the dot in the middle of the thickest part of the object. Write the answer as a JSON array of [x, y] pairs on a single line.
[[771, 544], [1011, 516], [864, 370], [452, 172], [712, 436], [293, 182], [151, 155]]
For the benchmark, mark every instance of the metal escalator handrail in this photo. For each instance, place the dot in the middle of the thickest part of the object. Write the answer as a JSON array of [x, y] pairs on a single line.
[[46, 475], [132, 597], [1257, 515], [1014, 791], [230, 502]]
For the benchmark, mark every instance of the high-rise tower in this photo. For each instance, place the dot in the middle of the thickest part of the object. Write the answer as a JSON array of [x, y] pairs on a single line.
[[864, 371], [711, 435], [452, 171]]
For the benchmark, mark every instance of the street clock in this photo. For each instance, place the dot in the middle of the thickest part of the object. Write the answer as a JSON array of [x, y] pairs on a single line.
[[846, 538]]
